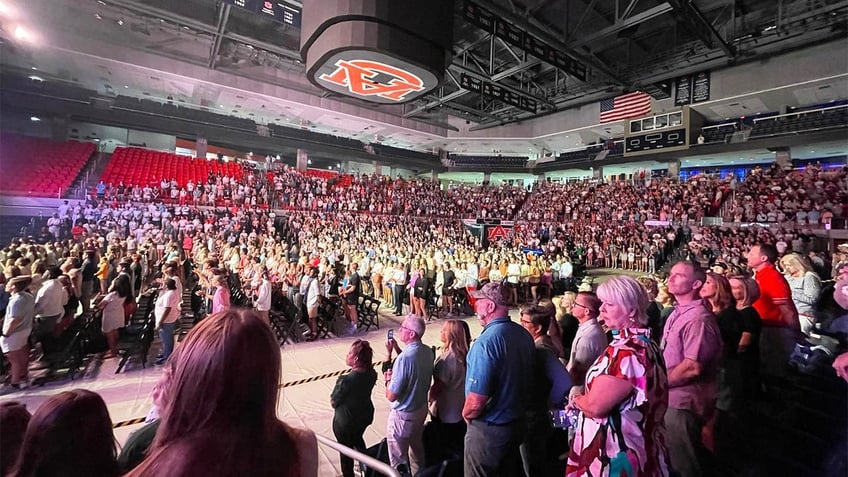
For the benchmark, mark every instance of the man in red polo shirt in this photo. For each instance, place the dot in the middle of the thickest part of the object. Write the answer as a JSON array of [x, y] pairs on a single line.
[[777, 311]]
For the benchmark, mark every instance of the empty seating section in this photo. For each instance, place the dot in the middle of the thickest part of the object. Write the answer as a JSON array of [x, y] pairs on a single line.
[[40, 167], [802, 121], [134, 166], [326, 139], [718, 132], [382, 150], [580, 155], [505, 162], [190, 114]]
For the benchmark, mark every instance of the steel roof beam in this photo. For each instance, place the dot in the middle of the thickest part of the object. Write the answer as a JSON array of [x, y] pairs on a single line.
[[533, 27], [637, 19]]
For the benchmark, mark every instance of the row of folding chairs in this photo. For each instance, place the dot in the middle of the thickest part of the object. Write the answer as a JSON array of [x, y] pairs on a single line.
[[137, 337]]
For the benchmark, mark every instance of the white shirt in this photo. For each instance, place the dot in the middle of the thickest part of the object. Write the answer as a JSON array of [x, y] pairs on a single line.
[[51, 299], [263, 301], [168, 299]]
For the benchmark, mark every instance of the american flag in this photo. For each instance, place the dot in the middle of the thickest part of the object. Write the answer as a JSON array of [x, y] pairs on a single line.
[[631, 105]]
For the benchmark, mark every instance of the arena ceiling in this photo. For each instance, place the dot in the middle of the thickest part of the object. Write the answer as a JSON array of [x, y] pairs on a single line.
[[212, 55]]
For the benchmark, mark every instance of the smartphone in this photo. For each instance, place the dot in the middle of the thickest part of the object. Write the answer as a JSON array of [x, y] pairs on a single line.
[[390, 335]]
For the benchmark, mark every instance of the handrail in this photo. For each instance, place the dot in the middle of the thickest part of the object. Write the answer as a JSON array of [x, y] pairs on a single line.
[[796, 113], [372, 463], [720, 125]]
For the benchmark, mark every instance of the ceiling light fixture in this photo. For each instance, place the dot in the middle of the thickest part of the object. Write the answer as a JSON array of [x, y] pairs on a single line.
[[101, 2], [36, 78], [98, 16], [34, 118], [121, 21], [34, 68]]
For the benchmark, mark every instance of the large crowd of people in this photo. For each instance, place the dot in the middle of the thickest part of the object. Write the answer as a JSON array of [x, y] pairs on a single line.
[[638, 375]]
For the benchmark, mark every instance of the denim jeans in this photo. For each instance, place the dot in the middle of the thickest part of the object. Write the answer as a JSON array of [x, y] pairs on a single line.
[[166, 334]]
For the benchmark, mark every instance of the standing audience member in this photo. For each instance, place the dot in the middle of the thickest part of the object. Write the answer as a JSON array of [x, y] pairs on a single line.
[[496, 387], [620, 427], [17, 326], [50, 304], [222, 394], [741, 363], [806, 288], [407, 384], [69, 435], [167, 312], [692, 352], [311, 296], [589, 342], [351, 399], [263, 298], [776, 310], [221, 299], [447, 394], [350, 295], [549, 390], [14, 419], [113, 316]]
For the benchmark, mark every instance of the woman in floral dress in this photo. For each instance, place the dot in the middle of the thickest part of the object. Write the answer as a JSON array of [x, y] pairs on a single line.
[[619, 429]]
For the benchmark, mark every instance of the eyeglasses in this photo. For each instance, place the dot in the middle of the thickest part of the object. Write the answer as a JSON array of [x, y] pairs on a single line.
[[526, 322], [580, 305], [409, 330]]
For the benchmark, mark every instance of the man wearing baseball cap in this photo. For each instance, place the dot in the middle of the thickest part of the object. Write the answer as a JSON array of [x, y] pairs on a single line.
[[496, 384]]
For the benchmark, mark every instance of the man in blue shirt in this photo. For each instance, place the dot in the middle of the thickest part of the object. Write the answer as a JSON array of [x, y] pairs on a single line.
[[407, 385], [496, 386]]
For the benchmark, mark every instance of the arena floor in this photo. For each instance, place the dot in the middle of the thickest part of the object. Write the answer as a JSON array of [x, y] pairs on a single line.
[[309, 374]]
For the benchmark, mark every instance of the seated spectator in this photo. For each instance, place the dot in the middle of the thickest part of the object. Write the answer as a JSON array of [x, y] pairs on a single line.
[[137, 444], [223, 394], [620, 424], [14, 419], [69, 435], [351, 399]]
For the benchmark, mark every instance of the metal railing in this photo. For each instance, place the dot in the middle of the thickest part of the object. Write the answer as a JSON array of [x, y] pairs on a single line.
[[381, 467]]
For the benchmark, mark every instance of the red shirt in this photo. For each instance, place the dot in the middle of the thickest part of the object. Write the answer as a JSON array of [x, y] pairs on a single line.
[[774, 291]]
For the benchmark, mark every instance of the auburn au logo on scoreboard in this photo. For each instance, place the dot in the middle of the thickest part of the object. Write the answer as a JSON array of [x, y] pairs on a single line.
[[359, 76], [373, 76]]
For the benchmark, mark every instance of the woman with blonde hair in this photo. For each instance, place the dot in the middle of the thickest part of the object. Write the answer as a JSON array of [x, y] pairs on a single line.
[[806, 288], [738, 380], [220, 412], [447, 394], [620, 427]]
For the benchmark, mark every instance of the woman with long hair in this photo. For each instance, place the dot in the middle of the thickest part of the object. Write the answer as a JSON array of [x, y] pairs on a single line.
[[447, 394], [113, 317], [620, 420], [69, 435], [719, 299], [806, 288], [351, 399], [220, 413], [739, 379]]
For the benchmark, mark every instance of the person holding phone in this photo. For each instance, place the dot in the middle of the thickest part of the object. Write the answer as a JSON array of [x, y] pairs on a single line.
[[407, 385], [351, 399]]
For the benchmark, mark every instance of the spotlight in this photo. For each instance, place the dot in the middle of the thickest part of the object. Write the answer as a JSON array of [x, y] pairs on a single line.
[[34, 119], [121, 22]]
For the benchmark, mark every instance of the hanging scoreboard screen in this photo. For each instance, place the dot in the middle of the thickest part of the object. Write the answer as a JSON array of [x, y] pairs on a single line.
[[653, 141], [281, 12]]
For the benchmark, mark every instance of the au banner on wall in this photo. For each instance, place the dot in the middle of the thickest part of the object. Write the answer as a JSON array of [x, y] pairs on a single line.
[[490, 230]]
